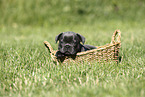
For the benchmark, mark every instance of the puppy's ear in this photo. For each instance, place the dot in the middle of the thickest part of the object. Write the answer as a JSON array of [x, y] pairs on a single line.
[[82, 38], [57, 37]]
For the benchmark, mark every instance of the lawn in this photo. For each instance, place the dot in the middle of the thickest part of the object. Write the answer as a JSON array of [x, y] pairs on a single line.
[[25, 65]]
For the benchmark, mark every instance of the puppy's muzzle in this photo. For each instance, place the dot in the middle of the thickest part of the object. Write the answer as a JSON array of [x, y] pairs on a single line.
[[67, 46], [68, 49]]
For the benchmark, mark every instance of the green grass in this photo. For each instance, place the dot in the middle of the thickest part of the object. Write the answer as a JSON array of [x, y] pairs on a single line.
[[27, 70], [69, 12]]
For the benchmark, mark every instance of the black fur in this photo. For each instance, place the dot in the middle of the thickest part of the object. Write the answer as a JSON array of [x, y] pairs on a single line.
[[70, 44]]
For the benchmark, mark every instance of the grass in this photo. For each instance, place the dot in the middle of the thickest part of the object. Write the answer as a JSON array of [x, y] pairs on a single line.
[[26, 68], [68, 12]]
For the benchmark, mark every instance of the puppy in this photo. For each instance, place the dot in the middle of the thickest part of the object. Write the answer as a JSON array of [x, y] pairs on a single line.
[[70, 44]]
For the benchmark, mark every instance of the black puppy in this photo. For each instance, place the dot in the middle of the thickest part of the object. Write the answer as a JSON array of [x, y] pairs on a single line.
[[70, 44]]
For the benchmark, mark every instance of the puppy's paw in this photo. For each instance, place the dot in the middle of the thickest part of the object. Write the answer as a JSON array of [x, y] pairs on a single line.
[[59, 54]]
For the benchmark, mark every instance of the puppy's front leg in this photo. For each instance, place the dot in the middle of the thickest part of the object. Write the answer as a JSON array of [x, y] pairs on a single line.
[[59, 54]]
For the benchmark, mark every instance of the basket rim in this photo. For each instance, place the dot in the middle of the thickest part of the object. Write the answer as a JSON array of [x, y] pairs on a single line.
[[98, 49]]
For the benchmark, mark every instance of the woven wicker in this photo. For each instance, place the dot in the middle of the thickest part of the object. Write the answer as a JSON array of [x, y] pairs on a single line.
[[103, 53]]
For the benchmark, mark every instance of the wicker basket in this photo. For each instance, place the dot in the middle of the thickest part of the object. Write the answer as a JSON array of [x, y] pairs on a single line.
[[103, 53]]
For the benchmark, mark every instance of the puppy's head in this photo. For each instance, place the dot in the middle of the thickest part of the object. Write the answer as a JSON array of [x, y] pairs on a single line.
[[69, 42]]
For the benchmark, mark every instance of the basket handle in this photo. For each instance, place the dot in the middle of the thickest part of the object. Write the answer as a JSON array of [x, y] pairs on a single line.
[[51, 51], [48, 46], [118, 39]]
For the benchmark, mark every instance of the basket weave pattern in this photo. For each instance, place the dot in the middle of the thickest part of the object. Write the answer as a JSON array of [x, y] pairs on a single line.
[[102, 53]]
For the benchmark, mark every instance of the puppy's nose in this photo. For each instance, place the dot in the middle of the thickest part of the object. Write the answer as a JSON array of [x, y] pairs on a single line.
[[67, 46]]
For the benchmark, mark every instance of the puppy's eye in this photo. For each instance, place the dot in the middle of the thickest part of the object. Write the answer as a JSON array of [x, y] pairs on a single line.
[[61, 41], [75, 41]]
